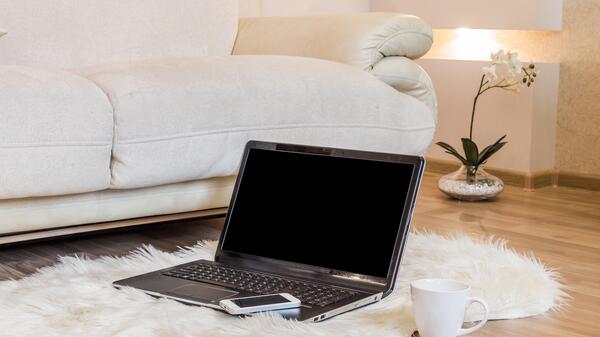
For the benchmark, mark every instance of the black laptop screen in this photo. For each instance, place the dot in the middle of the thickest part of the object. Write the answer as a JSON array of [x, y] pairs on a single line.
[[332, 212]]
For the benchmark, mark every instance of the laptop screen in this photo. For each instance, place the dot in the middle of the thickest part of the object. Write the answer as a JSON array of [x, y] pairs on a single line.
[[331, 212]]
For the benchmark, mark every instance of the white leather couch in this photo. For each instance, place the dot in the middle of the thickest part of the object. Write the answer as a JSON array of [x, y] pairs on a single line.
[[121, 109]]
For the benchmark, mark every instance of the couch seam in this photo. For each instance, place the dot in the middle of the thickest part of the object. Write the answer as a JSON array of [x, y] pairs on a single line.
[[261, 128], [387, 39], [113, 141], [403, 78]]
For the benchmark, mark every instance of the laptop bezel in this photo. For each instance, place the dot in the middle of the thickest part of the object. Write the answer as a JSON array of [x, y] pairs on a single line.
[[365, 282]]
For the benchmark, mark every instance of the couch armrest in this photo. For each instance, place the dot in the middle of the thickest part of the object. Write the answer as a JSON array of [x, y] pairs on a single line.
[[408, 77], [359, 39]]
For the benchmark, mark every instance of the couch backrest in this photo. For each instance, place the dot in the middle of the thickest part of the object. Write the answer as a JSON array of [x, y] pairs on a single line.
[[75, 33]]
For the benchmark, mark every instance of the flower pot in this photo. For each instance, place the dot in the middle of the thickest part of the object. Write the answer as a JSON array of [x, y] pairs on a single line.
[[470, 184]]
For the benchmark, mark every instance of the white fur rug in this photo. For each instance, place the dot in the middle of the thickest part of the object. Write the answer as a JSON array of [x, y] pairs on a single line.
[[75, 298]]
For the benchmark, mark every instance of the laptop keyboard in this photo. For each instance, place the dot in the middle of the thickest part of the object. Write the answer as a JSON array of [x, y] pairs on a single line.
[[308, 293]]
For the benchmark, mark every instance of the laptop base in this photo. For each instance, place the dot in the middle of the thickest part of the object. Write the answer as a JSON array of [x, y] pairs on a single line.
[[209, 295]]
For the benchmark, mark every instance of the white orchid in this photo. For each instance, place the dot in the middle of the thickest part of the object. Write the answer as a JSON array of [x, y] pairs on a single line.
[[514, 64], [490, 72], [506, 72], [509, 59], [498, 57], [514, 87]]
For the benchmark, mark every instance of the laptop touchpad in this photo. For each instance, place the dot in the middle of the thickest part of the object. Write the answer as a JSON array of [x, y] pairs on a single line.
[[202, 292]]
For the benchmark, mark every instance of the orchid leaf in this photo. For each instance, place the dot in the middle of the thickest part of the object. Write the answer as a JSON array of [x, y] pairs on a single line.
[[490, 150], [451, 150], [495, 148], [471, 151]]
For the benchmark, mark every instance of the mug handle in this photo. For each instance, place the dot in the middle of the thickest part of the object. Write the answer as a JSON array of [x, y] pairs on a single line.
[[481, 323]]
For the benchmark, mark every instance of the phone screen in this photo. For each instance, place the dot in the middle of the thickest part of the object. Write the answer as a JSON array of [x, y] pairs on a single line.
[[259, 300]]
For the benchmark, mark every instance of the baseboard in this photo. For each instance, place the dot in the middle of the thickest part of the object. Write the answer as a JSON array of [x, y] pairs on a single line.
[[540, 179], [526, 180], [579, 180]]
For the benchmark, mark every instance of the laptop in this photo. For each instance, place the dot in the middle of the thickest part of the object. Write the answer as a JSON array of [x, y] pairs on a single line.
[[325, 225]]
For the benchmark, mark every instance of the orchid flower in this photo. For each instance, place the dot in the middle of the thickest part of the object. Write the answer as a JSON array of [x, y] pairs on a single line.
[[490, 72]]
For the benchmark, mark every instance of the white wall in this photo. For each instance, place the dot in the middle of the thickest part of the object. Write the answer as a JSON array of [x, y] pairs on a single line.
[[249, 7], [301, 7], [507, 14]]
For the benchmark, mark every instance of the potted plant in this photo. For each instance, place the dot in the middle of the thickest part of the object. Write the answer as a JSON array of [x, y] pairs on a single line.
[[471, 182]]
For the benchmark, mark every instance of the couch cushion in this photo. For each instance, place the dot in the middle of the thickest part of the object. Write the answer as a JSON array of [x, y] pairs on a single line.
[[55, 133], [72, 33], [186, 119]]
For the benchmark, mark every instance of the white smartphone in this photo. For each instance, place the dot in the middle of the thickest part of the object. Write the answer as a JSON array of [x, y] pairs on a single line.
[[247, 305]]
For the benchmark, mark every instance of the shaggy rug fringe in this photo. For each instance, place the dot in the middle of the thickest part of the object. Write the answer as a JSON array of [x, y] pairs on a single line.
[[75, 296]]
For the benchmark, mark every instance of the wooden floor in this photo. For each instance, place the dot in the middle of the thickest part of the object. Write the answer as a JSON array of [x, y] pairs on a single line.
[[561, 226]]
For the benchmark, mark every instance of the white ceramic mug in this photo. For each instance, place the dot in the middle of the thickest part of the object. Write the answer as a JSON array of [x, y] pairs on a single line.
[[439, 307]]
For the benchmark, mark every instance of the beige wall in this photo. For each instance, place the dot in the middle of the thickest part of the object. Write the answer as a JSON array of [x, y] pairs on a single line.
[[301, 7], [578, 131], [506, 14], [250, 7]]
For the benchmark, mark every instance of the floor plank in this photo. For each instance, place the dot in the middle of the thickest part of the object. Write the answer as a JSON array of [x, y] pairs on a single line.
[[561, 226]]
